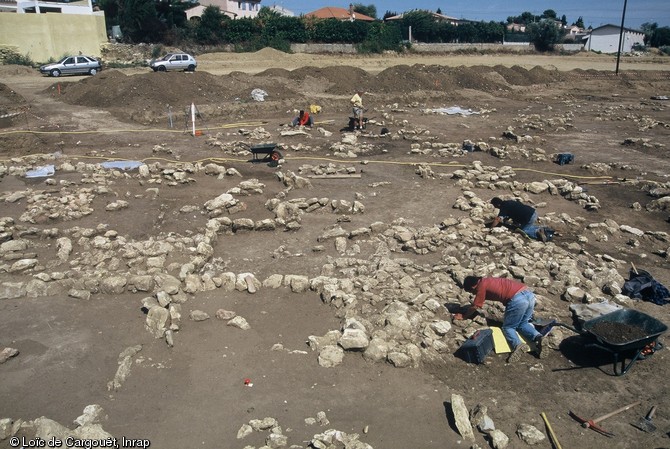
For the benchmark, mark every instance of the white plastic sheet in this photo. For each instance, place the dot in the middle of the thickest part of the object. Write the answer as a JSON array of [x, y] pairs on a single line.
[[454, 110], [258, 94]]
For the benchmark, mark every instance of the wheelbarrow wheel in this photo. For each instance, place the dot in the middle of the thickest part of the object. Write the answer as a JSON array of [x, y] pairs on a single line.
[[275, 156]]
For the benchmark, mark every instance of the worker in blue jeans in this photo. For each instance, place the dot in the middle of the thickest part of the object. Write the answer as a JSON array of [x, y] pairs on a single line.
[[519, 304], [522, 216]]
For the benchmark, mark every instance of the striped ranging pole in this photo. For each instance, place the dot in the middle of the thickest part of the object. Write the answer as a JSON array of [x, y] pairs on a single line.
[[193, 117], [618, 55]]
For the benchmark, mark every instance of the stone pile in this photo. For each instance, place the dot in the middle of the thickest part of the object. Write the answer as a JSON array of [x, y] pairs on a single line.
[[276, 436], [393, 308], [42, 430], [478, 418]]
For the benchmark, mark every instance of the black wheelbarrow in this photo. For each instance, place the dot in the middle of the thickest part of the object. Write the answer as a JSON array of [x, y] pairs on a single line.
[[626, 334], [266, 152]]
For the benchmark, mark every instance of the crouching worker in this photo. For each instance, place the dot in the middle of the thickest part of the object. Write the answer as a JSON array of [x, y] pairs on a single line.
[[304, 119], [519, 304], [522, 217]]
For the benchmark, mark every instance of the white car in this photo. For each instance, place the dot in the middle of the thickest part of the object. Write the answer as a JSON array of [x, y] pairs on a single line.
[[174, 61], [72, 65]]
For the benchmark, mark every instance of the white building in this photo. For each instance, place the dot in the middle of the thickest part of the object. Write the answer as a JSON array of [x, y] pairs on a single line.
[[605, 39], [235, 9], [43, 7]]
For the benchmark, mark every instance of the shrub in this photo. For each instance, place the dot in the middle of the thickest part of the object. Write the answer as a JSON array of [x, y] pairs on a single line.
[[156, 51], [15, 58], [544, 35]]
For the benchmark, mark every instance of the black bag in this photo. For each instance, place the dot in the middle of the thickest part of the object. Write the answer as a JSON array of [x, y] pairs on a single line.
[[642, 285], [564, 158]]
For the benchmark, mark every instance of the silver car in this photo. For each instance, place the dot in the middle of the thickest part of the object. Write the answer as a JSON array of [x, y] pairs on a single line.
[[72, 65], [174, 61]]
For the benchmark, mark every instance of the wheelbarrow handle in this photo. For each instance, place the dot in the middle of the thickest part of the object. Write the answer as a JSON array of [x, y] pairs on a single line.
[[545, 330]]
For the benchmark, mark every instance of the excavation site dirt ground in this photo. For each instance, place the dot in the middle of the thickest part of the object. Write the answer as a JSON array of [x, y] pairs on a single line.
[[202, 300]]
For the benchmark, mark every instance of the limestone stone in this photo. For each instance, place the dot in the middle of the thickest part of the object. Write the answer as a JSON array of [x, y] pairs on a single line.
[[113, 285], [198, 315], [221, 201], [225, 315], [330, 356], [79, 294], [273, 281], [537, 187], [13, 246], [239, 322], [498, 439], [46, 429], [64, 247], [317, 343], [92, 414], [22, 265], [163, 298], [168, 283], [441, 327], [275, 440], [354, 339], [8, 353], [529, 434], [399, 359], [156, 321], [461, 417], [244, 431], [263, 424], [298, 284], [5, 428], [631, 230]]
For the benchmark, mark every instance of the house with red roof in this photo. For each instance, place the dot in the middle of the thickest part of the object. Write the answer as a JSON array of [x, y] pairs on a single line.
[[332, 12]]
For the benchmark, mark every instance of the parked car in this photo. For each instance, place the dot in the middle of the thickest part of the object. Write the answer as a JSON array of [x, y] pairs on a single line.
[[174, 61], [73, 65]]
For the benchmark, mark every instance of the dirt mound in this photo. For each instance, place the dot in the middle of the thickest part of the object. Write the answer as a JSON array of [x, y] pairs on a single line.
[[146, 97], [11, 105], [404, 79], [347, 79], [9, 98], [154, 93], [276, 72], [270, 54], [13, 69]]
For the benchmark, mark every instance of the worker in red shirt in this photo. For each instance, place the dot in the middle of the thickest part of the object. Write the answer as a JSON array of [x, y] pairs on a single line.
[[304, 119], [519, 303]]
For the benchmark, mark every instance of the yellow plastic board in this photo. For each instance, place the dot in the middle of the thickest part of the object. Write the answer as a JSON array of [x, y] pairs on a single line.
[[500, 345]]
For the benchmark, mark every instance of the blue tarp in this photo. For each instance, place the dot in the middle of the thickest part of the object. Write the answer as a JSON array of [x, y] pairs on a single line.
[[41, 172]]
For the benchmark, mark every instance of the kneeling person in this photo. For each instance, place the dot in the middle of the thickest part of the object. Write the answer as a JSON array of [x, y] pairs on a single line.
[[519, 304]]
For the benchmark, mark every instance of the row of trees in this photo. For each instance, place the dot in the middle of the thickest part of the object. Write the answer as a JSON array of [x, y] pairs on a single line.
[[527, 18], [165, 22]]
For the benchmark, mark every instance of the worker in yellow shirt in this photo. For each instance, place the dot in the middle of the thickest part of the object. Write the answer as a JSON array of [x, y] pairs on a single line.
[[357, 103]]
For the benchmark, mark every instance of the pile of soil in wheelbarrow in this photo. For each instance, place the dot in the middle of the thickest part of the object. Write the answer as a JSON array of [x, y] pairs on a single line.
[[618, 333]]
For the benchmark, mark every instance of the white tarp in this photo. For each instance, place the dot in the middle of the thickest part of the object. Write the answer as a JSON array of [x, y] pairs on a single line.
[[454, 110]]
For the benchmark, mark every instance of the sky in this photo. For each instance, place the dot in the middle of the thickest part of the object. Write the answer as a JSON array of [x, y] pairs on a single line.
[[594, 12]]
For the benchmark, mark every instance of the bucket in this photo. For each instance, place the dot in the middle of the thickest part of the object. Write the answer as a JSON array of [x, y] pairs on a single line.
[[198, 132]]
